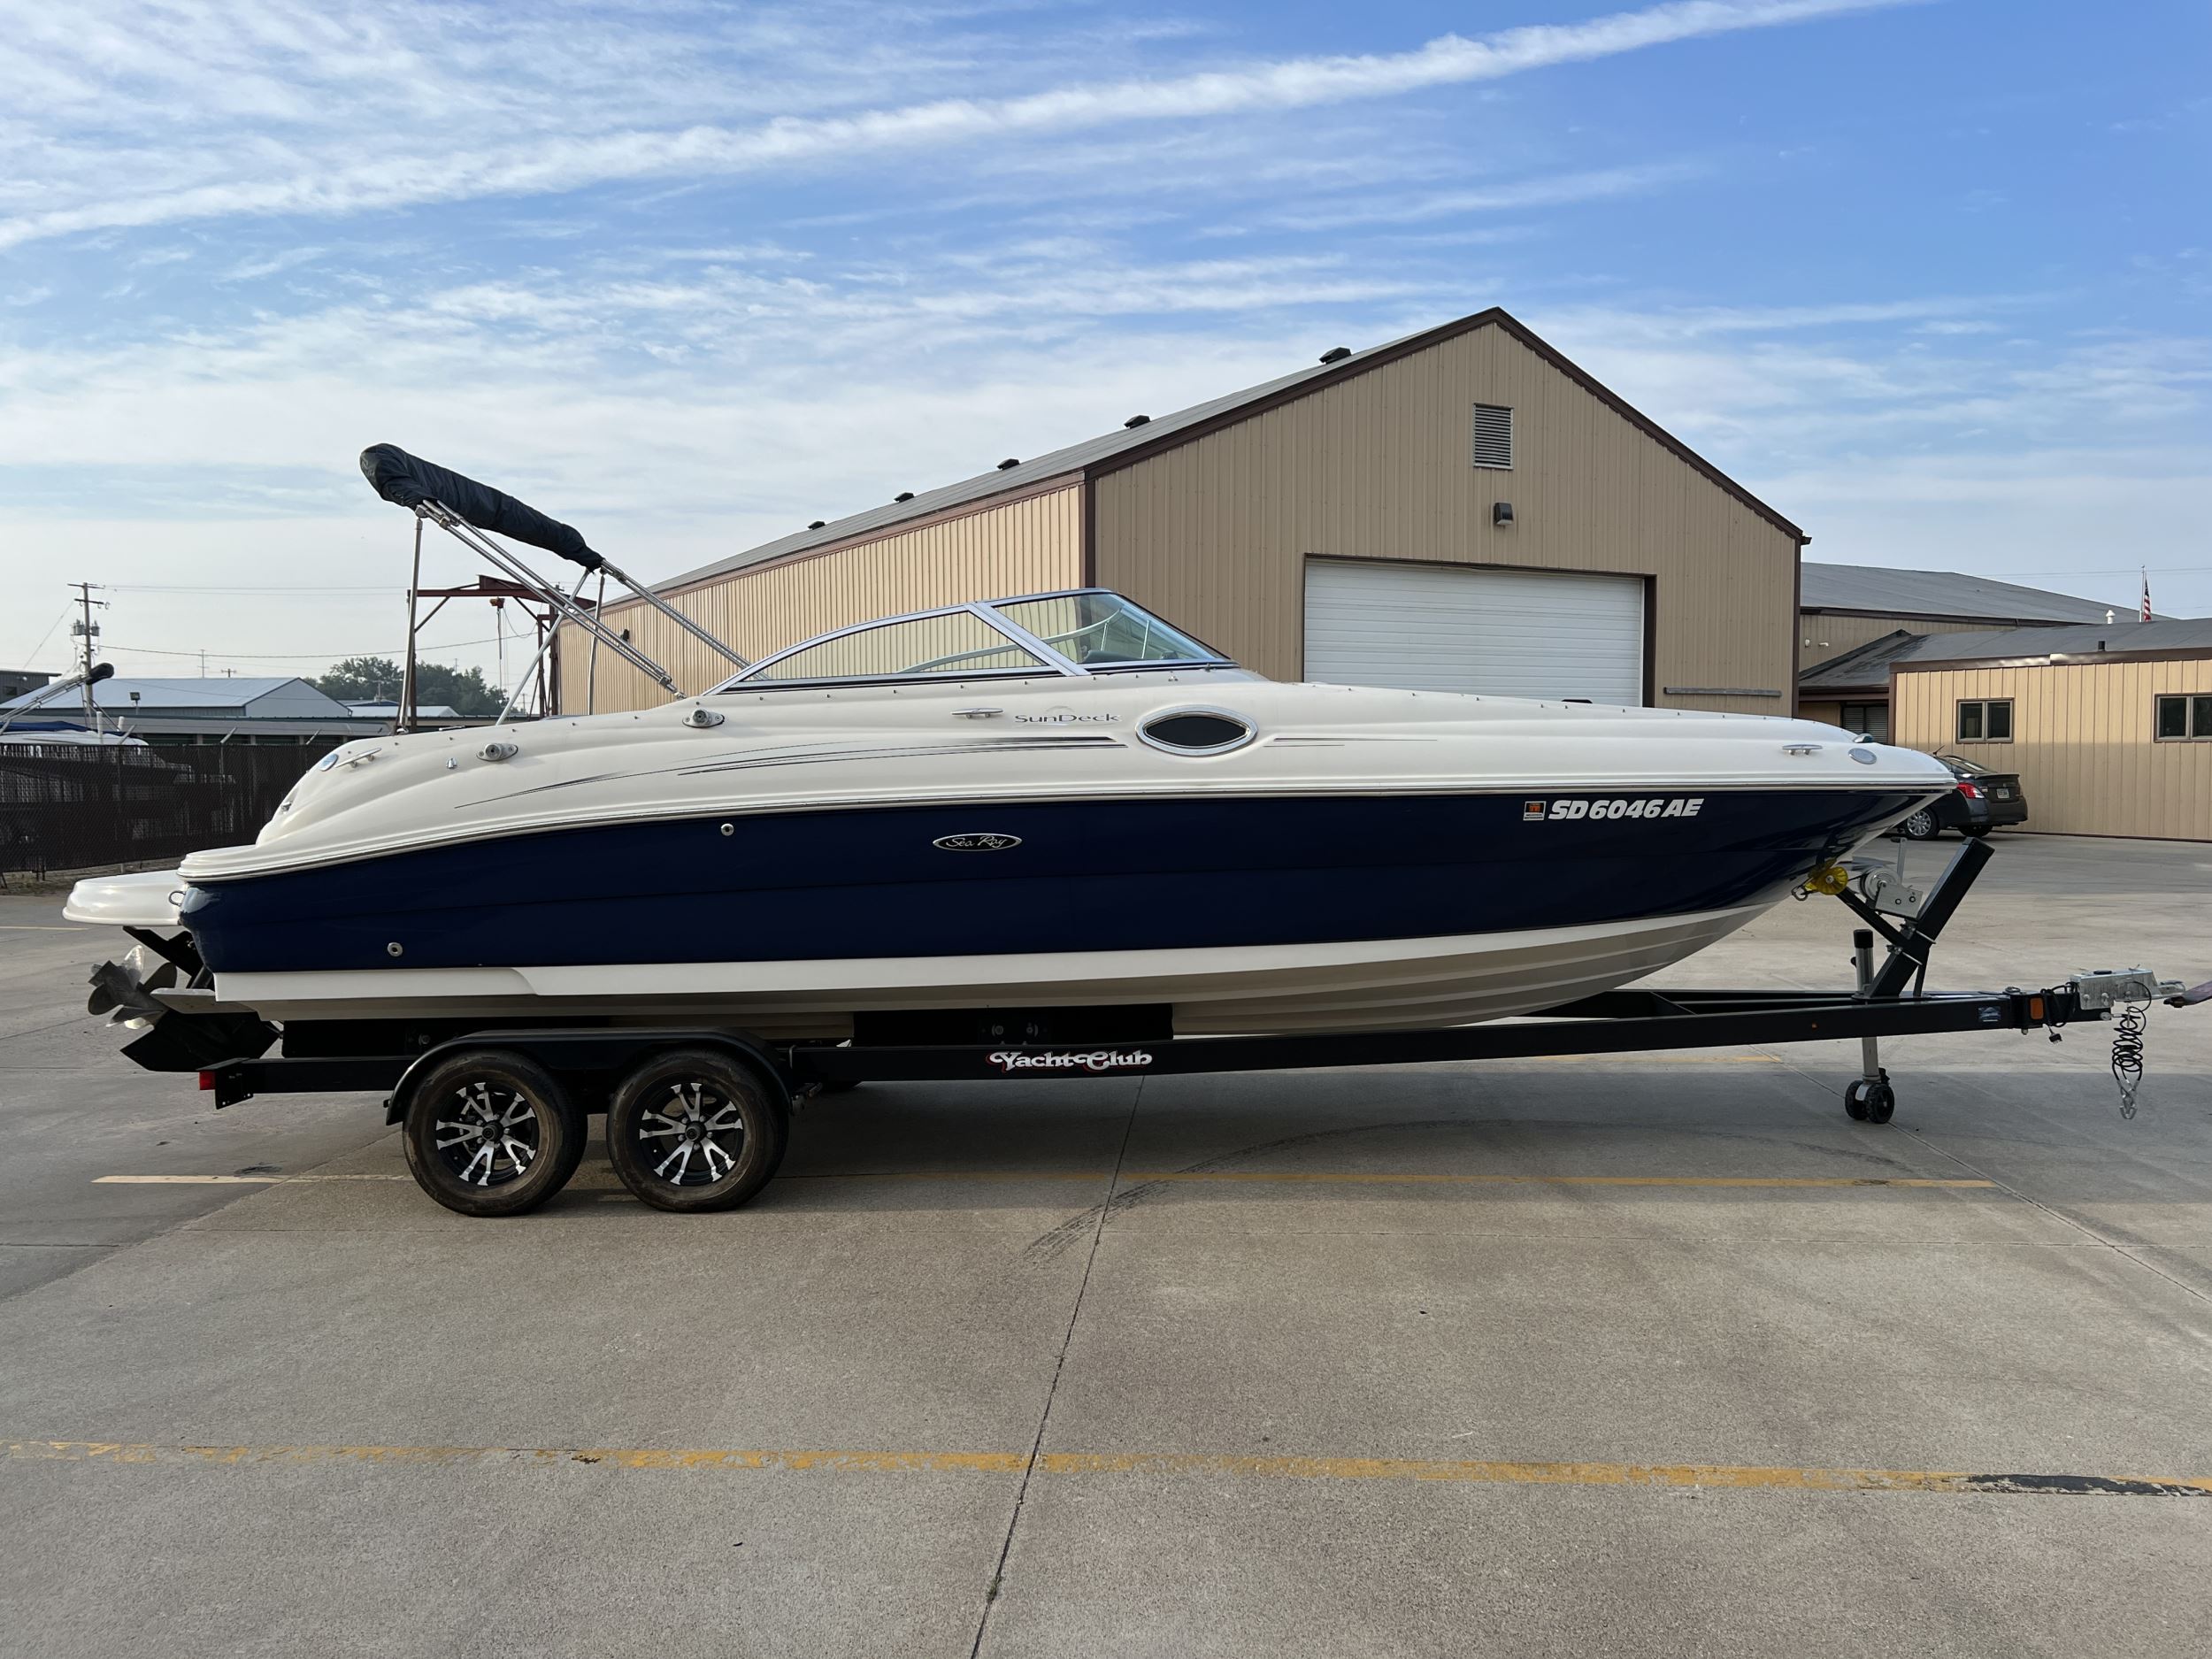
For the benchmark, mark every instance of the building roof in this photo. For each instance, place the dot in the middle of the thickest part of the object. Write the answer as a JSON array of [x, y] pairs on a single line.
[[1948, 594], [2188, 634], [286, 697], [384, 708], [1122, 448], [1867, 668]]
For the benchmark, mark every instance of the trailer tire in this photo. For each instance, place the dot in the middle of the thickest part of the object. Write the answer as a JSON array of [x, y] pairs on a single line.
[[1870, 1103], [540, 1144], [695, 1130]]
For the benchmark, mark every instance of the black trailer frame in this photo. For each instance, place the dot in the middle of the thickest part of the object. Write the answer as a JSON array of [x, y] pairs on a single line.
[[593, 1063]]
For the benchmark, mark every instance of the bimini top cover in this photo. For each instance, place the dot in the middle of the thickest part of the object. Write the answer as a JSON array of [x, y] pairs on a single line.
[[407, 481]]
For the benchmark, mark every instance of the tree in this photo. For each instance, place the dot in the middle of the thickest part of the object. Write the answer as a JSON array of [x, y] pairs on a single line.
[[376, 679]]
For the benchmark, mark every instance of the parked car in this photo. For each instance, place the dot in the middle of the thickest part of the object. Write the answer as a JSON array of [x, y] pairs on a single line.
[[1983, 800]]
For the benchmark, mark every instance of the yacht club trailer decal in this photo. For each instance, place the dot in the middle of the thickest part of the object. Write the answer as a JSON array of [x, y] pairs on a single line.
[[1633, 806], [1090, 1060]]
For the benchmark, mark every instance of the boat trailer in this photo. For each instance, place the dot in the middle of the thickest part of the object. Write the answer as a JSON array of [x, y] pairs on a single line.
[[496, 1115]]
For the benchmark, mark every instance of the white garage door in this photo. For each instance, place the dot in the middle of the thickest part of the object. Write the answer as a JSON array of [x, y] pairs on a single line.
[[1508, 633]]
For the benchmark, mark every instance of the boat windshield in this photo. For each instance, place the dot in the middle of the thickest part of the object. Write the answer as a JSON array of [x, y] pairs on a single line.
[[950, 642], [1074, 633], [1100, 630]]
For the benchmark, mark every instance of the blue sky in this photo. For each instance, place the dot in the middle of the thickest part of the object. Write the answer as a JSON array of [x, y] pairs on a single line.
[[1933, 277]]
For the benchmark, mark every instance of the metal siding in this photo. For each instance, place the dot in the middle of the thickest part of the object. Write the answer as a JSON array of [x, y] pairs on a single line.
[[1215, 535], [1027, 546], [2082, 742]]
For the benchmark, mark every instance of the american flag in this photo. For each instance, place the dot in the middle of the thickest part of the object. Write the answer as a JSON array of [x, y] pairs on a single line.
[[2146, 594]]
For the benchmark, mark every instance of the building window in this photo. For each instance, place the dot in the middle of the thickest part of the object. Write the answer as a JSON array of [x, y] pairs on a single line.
[[1985, 720], [1870, 718], [2181, 719], [1494, 436]]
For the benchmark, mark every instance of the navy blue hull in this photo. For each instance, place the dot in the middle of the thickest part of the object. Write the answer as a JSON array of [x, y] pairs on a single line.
[[1127, 875]]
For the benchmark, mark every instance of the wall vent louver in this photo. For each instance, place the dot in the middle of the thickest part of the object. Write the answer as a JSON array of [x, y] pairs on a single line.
[[1494, 436]]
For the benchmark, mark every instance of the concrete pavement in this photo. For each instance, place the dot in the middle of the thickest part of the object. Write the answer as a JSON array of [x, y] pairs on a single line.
[[1546, 1358]]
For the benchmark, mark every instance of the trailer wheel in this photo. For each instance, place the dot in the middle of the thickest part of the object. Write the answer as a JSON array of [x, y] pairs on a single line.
[[695, 1130], [490, 1132], [1869, 1103]]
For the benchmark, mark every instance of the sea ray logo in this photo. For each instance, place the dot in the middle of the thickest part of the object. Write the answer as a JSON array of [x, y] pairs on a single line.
[[976, 841]]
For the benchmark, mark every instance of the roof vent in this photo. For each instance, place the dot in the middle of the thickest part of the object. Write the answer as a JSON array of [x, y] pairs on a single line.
[[1336, 353], [904, 495], [1007, 465], [817, 524], [1138, 420]]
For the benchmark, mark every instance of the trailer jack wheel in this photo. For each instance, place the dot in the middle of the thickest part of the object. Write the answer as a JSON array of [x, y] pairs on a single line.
[[1871, 1101]]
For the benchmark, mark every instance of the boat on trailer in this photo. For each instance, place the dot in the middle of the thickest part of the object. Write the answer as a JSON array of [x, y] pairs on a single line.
[[1049, 819]]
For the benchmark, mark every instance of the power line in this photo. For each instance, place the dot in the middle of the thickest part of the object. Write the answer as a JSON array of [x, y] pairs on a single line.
[[390, 587], [2111, 570], [282, 657], [32, 653]]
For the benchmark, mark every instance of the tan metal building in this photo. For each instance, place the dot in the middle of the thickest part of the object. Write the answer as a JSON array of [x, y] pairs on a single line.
[[1462, 509], [2109, 728]]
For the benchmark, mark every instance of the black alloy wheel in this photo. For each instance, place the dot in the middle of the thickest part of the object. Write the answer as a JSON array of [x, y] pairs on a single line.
[[695, 1130], [491, 1132]]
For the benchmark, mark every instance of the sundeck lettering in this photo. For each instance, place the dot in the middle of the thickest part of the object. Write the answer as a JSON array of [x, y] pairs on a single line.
[[1090, 1060], [1629, 806]]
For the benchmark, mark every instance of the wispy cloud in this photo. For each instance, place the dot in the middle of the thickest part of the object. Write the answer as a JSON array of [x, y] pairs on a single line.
[[256, 180], [272, 265], [1555, 190]]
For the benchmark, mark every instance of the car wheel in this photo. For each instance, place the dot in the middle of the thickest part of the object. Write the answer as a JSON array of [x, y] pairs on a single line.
[[1975, 830], [1921, 826]]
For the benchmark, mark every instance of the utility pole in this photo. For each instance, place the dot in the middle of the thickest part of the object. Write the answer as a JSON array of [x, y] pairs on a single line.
[[88, 632]]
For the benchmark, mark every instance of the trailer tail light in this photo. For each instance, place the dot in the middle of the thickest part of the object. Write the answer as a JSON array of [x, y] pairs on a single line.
[[1971, 791], [207, 1080]]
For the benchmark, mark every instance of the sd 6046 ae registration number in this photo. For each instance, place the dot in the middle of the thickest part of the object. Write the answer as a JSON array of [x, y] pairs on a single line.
[[1636, 806]]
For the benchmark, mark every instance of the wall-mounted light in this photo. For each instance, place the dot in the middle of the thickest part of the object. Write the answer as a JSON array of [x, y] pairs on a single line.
[[1501, 514]]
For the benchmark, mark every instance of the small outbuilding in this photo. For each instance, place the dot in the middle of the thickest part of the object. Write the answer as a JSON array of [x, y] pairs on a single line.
[[1461, 510], [169, 712], [1855, 619], [2109, 726]]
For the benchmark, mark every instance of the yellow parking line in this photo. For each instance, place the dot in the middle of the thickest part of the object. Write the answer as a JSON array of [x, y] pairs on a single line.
[[1714, 1477], [1373, 1178], [230, 1180], [1360, 1178], [1311, 1177]]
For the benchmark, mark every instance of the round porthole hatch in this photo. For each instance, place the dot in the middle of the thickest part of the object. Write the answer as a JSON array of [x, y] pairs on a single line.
[[1196, 731]]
